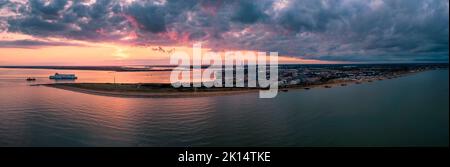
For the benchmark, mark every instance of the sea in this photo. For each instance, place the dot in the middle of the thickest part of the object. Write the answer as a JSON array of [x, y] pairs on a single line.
[[411, 110]]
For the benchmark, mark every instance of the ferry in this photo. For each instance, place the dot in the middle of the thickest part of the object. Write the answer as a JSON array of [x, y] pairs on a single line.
[[58, 76]]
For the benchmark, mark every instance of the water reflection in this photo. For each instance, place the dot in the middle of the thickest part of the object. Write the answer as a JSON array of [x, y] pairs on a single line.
[[385, 113], [42, 75]]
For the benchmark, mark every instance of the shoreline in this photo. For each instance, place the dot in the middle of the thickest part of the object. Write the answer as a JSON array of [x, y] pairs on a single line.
[[146, 94], [155, 90]]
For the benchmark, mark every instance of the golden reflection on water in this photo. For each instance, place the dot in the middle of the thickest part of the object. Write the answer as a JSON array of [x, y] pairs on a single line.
[[43, 116], [91, 76], [88, 75]]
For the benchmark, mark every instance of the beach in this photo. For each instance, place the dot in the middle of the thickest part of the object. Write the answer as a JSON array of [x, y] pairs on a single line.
[[137, 91]]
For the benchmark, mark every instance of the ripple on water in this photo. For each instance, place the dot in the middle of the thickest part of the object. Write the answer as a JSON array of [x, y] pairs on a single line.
[[343, 116]]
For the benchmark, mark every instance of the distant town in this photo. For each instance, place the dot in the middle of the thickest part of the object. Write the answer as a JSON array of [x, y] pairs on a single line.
[[306, 75]]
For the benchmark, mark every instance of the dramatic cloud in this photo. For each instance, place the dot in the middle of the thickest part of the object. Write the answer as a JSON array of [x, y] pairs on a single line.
[[344, 30], [30, 44], [248, 13]]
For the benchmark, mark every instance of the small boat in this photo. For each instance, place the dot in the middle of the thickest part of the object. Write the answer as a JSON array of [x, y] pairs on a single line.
[[327, 86], [58, 76], [306, 88], [369, 81], [31, 79], [284, 90], [344, 84]]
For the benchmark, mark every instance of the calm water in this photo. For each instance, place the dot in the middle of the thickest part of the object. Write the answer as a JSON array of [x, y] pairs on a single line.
[[407, 111]]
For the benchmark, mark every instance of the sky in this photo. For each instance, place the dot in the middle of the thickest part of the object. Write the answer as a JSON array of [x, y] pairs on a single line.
[[128, 32]]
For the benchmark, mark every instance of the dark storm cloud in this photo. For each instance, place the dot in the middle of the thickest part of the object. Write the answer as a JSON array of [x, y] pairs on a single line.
[[2, 2], [149, 17], [51, 10], [344, 30], [309, 15], [248, 12]]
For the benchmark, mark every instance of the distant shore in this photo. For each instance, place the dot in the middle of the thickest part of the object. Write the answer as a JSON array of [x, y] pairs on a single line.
[[98, 68]]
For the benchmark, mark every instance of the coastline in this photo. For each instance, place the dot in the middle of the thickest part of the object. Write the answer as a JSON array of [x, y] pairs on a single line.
[[164, 93], [155, 90]]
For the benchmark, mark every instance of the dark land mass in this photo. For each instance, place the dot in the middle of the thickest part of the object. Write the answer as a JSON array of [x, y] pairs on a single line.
[[148, 90]]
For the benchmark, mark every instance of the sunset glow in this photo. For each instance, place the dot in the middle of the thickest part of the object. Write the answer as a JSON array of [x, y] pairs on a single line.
[[127, 32], [76, 52]]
